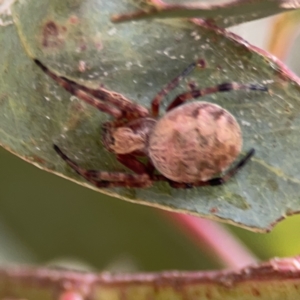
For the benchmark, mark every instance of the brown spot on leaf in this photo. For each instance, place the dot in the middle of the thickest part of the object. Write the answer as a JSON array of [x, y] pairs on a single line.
[[73, 20], [99, 45], [52, 35], [214, 210], [81, 44]]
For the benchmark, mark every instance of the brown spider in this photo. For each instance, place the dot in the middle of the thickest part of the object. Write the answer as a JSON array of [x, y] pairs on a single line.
[[189, 145]]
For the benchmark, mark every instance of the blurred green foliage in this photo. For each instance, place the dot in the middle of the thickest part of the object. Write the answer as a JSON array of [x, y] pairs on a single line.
[[282, 241]]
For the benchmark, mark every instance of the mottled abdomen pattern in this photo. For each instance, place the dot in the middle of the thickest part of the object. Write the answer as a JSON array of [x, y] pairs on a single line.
[[194, 142]]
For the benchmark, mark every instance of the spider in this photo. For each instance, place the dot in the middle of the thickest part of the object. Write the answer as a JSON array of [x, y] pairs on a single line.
[[188, 146]]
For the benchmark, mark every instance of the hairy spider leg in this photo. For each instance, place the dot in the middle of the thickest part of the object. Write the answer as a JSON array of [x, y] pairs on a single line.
[[223, 87], [103, 179], [218, 180], [107, 179], [172, 85], [107, 101], [132, 163]]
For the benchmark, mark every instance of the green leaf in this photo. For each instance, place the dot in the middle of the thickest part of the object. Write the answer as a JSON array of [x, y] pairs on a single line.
[[277, 279], [77, 40], [224, 14]]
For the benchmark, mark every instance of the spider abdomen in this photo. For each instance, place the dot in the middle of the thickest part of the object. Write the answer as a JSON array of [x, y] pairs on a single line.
[[194, 142]]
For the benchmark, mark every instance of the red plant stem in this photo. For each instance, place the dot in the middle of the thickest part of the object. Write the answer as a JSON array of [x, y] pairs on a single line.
[[215, 240]]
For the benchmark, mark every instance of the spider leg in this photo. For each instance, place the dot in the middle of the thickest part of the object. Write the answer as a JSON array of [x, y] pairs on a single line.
[[132, 163], [107, 101], [212, 182], [223, 87], [172, 85], [107, 179]]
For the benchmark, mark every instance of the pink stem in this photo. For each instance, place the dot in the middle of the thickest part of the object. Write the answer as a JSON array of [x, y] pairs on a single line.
[[215, 240]]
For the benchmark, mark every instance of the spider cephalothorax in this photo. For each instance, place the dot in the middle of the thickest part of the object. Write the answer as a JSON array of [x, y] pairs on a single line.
[[189, 145]]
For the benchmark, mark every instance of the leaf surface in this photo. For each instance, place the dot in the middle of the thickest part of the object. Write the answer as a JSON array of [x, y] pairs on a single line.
[[223, 14], [77, 40]]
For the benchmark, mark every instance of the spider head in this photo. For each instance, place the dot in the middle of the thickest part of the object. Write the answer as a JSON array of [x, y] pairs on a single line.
[[131, 137]]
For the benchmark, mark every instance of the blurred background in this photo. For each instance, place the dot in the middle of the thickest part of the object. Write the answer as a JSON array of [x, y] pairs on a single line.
[[47, 220]]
